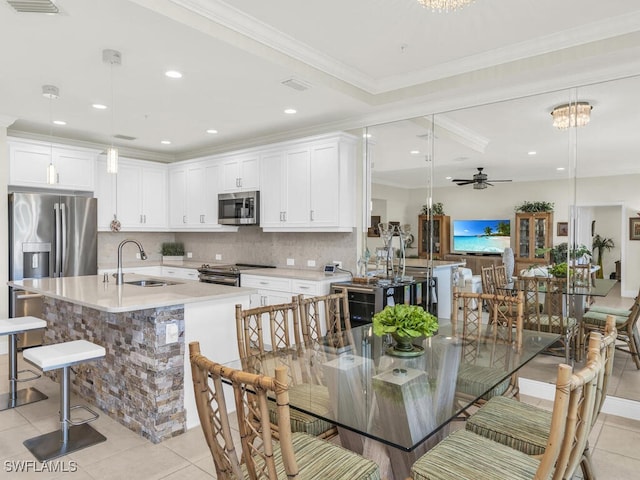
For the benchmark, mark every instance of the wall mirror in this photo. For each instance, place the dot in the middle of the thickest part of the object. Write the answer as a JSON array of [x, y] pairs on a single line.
[[589, 173]]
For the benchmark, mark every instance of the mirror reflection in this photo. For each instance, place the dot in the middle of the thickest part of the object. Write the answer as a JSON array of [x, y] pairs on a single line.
[[562, 191]]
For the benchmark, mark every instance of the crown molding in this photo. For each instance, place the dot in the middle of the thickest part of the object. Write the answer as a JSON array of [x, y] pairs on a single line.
[[6, 121]]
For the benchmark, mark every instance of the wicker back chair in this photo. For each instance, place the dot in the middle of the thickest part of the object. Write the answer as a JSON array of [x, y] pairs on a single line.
[[295, 456], [553, 318], [282, 326], [526, 427], [326, 318], [473, 375], [463, 454], [594, 319]]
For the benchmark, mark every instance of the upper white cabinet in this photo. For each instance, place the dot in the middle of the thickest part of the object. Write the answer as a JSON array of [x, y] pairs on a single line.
[[29, 159], [193, 196], [309, 185], [240, 172], [137, 194]]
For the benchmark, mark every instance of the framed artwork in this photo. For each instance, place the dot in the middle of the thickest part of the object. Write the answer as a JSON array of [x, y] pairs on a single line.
[[563, 229], [634, 228], [373, 230]]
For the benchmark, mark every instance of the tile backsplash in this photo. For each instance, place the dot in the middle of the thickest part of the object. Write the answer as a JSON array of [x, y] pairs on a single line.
[[248, 245]]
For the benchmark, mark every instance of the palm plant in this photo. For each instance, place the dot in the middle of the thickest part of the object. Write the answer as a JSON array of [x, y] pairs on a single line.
[[601, 244]]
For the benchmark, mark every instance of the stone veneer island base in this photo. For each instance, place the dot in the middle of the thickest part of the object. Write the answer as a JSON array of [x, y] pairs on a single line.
[[144, 382]]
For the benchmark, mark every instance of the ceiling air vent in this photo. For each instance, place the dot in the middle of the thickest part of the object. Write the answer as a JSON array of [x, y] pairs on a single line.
[[296, 84], [33, 6], [119, 136]]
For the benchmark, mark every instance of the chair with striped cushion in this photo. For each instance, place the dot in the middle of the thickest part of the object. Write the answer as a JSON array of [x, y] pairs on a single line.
[[627, 325], [467, 456], [526, 427], [294, 456], [477, 374], [276, 328]]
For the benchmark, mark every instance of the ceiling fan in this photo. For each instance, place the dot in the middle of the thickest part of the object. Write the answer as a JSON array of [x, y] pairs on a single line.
[[479, 180]]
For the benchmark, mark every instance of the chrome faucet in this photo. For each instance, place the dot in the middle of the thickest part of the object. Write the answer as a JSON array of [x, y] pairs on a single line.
[[143, 256]]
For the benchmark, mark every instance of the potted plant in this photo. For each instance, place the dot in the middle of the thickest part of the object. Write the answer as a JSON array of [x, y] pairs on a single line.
[[534, 207], [436, 209], [600, 245], [405, 323], [172, 251]]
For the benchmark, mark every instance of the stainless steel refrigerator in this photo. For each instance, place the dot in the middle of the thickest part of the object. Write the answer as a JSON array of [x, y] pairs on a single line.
[[50, 235]]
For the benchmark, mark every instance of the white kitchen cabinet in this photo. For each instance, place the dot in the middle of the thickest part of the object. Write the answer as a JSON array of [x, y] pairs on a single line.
[[241, 172], [28, 162], [180, 272], [271, 290], [309, 185], [193, 196], [138, 194]]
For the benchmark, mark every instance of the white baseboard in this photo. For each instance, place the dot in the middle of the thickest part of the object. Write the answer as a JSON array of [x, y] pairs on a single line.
[[621, 407]]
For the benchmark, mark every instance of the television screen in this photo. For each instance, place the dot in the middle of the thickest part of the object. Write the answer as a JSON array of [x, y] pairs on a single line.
[[481, 236]]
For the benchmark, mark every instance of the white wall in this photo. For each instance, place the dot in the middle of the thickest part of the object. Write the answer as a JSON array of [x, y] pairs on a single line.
[[500, 201]]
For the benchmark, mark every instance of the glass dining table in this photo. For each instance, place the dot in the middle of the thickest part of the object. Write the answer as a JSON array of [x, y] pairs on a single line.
[[390, 408]]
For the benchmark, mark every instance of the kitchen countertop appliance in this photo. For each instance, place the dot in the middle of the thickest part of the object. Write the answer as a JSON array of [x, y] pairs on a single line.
[[226, 274], [50, 235], [365, 300]]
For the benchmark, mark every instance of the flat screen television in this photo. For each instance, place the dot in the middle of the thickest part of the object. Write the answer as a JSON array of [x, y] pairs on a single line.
[[481, 236]]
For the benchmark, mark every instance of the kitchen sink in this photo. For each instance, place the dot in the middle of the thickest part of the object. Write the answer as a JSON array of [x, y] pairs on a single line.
[[151, 283]]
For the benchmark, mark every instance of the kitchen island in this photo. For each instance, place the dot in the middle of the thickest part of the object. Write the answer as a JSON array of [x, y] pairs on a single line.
[[144, 381]]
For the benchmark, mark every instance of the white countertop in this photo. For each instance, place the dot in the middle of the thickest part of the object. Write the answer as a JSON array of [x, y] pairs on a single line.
[[90, 291], [424, 263], [298, 274]]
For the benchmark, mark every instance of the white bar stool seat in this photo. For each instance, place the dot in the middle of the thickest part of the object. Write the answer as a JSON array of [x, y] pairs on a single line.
[[72, 435], [15, 398]]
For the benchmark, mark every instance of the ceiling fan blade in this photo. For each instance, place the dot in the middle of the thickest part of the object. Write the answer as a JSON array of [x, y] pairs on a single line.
[[500, 180], [487, 183], [466, 182], [463, 180]]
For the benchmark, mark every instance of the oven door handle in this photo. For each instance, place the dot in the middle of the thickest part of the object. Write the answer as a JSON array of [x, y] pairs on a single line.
[[219, 279], [356, 289]]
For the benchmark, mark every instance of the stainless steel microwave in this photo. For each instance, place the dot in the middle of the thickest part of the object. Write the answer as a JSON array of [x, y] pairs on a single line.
[[240, 208]]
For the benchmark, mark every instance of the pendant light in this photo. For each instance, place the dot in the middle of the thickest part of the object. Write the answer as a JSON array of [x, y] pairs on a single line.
[[112, 57], [51, 92]]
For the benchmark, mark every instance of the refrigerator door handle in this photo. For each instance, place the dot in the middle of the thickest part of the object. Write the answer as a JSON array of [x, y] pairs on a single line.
[[63, 234], [57, 264]]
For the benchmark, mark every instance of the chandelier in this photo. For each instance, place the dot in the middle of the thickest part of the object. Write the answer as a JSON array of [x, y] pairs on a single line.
[[444, 5], [575, 114]]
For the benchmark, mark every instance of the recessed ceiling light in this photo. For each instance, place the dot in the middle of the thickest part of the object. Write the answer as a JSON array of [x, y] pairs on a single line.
[[414, 152], [560, 169], [290, 111], [366, 135], [448, 178], [532, 152], [99, 106], [212, 130], [59, 122], [166, 142], [173, 74]]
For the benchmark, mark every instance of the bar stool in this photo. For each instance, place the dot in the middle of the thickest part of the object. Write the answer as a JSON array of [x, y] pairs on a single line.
[[15, 398], [72, 435]]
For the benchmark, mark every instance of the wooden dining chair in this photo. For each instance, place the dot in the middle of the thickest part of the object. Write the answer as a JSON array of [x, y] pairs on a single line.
[[465, 455], [276, 328], [325, 319], [294, 456], [526, 427], [627, 326], [553, 318], [477, 372]]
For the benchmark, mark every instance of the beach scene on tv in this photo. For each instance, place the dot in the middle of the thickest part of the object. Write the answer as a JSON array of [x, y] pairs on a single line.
[[481, 236]]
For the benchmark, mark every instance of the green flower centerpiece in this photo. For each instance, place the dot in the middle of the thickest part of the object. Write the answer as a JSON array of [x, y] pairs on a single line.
[[404, 323]]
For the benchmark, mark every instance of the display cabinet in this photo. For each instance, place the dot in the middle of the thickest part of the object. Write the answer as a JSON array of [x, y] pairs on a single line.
[[440, 232], [534, 236]]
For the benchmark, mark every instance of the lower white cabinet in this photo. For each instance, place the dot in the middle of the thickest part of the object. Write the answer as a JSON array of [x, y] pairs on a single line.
[[180, 272]]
